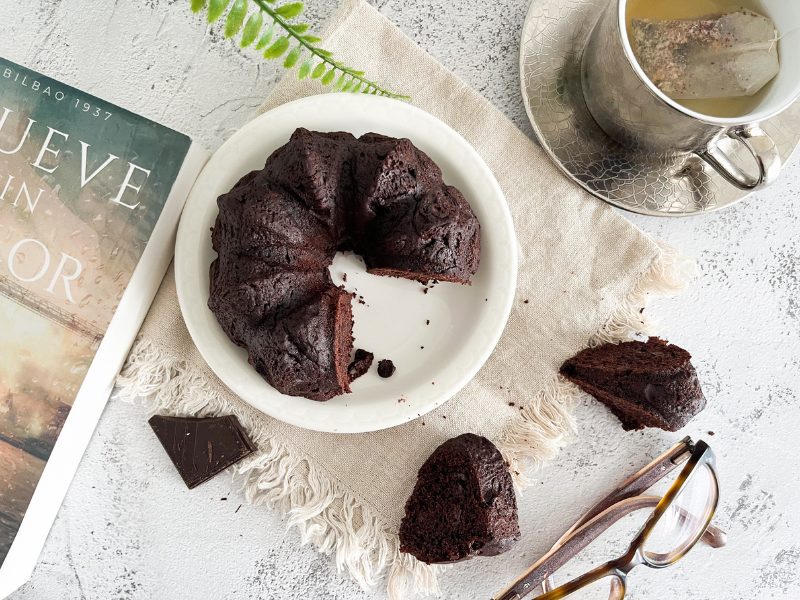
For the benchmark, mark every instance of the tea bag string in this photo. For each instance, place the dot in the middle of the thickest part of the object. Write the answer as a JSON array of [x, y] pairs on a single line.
[[779, 36], [774, 41]]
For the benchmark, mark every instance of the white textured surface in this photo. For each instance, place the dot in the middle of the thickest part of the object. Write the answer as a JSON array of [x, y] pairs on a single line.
[[130, 530]]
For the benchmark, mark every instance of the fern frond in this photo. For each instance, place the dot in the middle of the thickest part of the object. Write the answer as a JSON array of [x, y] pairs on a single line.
[[266, 38], [216, 8], [305, 70], [278, 47], [289, 11], [318, 71], [252, 28], [259, 28], [235, 20], [292, 57]]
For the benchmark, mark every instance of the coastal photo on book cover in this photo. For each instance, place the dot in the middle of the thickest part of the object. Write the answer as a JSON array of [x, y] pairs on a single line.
[[82, 185]]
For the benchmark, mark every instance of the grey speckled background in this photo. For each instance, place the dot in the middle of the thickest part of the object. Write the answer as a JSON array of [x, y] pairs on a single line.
[[130, 530]]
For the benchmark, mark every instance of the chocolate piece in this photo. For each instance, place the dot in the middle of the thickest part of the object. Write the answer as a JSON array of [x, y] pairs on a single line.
[[645, 384], [202, 447], [386, 368], [463, 504], [278, 230], [362, 361]]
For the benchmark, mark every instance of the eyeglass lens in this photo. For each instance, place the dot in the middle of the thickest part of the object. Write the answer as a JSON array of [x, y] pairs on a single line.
[[685, 521]]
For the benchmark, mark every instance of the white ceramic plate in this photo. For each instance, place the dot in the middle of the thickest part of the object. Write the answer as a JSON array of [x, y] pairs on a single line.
[[434, 361]]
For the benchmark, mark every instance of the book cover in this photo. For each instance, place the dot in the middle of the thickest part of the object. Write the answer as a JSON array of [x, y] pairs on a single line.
[[90, 195]]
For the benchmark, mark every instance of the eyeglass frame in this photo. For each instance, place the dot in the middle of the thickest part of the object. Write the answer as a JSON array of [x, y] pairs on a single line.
[[627, 498]]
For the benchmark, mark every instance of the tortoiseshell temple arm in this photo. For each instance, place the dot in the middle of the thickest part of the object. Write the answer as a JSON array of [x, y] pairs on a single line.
[[641, 481]]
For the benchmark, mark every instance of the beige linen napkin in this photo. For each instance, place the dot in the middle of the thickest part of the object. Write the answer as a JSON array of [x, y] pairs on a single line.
[[584, 274]]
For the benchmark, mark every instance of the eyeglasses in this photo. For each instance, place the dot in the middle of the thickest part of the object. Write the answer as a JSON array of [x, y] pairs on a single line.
[[680, 519]]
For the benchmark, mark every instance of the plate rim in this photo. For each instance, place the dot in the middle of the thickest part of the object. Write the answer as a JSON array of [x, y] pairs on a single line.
[[197, 196]]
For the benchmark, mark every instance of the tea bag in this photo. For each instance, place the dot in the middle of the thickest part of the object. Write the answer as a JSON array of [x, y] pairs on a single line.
[[717, 56]]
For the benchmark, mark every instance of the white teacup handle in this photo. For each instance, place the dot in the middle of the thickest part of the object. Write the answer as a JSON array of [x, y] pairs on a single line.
[[764, 152]]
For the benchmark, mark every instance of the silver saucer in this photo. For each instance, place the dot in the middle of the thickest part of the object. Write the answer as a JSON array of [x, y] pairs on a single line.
[[553, 38]]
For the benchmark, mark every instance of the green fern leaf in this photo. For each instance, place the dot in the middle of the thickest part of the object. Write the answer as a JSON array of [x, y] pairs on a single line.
[[299, 28], [216, 8], [267, 37], [305, 70], [318, 71], [251, 28], [328, 77], [320, 64], [277, 48], [290, 11], [235, 20], [292, 57]]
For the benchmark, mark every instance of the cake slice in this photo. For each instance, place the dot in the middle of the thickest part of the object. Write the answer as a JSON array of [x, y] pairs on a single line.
[[316, 168], [243, 297], [306, 353], [433, 236], [645, 384], [463, 504], [263, 222]]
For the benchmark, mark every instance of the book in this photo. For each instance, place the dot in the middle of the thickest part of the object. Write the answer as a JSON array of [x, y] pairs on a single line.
[[90, 197]]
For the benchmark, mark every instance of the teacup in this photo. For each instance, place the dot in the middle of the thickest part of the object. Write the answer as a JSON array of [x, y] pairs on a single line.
[[632, 110]]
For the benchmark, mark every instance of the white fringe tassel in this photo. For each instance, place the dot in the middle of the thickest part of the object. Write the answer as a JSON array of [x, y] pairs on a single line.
[[547, 422], [331, 518]]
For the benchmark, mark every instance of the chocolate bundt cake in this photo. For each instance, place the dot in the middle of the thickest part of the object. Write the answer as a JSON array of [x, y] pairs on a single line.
[[463, 504], [278, 230], [645, 384]]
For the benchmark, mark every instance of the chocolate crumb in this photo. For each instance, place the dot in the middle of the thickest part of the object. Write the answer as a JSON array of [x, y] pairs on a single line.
[[399, 400], [422, 347], [511, 404], [362, 361], [525, 301], [711, 433], [344, 277], [386, 368], [223, 499], [444, 416], [424, 290], [428, 322]]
